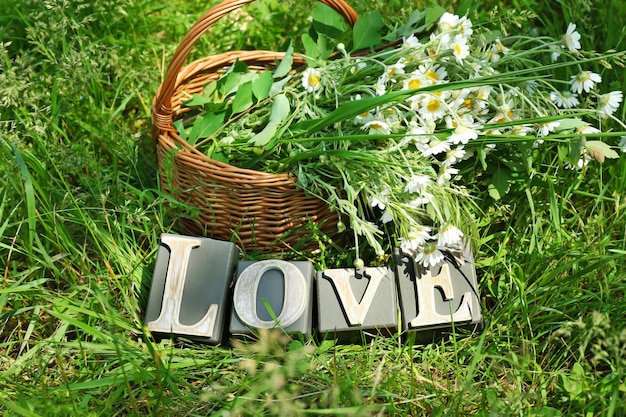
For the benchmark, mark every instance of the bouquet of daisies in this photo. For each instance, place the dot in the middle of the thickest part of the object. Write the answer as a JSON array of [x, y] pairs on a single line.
[[380, 133]]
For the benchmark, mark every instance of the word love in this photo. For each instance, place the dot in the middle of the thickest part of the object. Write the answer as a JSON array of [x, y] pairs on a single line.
[[200, 289]]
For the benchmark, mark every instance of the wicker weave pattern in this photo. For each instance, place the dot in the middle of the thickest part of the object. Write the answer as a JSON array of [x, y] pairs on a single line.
[[266, 212]]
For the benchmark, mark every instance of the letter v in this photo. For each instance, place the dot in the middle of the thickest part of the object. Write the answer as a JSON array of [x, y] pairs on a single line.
[[354, 310]]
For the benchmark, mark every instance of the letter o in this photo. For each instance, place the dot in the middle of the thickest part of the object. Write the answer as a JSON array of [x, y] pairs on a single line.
[[294, 300]]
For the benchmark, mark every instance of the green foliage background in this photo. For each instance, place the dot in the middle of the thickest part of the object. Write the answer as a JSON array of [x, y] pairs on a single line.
[[81, 214]]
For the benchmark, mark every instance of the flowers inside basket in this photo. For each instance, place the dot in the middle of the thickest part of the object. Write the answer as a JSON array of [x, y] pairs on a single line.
[[382, 128]]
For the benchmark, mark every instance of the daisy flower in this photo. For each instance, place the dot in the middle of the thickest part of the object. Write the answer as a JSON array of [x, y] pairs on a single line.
[[544, 129], [609, 102], [411, 42], [397, 68], [459, 101], [571, 39], [432, 107], [381, 200], [448, 22], [423, 199], [436, 146], [556, 52], [564, 99], [463, 134], [434, 74], [380, 86], [585, 80], [417, 238], [445, 174], [430, 256], [311, 79], [521, 130], [387, 216], [460, 49], [377, 127], [586, 129], [417, 184], [448, 236], [465, 26], [454, 155], [416, 80], [496, 50]]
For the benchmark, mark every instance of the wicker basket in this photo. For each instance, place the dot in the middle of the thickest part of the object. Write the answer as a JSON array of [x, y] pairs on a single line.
[[259, 211]]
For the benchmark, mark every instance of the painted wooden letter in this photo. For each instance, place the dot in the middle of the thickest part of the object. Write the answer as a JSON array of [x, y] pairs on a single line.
[[350, 300], [273, 293], [437, 297], [190, 287]]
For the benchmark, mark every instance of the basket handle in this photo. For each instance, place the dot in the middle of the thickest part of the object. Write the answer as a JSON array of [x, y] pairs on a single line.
[[162, 108]]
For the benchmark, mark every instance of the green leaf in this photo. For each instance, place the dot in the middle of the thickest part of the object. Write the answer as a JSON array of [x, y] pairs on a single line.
[[196, 100], [367, 31], [243, 98], [433, 14], [204, 126], [218, 155], [264, 136], [566, 125], [409, 28], [209, 89], [180, 128], [599, 150], [229, 83], [500, 183], [327, 21], [575, 148], [280, 109], [262, 85], [240, 67], [310, 46], [278, 114], [322, 46], [285, 65]]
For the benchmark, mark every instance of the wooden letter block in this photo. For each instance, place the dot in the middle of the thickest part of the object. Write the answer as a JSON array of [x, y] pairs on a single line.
[[349, 301], [273, 293], [432, 299], [190, 287]]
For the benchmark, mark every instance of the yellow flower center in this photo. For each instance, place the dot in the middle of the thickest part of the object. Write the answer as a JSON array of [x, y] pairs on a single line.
[[313, 80], [604, 100], [583, 76], [433, 105], [568, 40], [432, 75], [415, 84], [430, 248], [457, 48]]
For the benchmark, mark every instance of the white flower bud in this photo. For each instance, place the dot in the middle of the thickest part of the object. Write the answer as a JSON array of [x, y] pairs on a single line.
[[359, 263]]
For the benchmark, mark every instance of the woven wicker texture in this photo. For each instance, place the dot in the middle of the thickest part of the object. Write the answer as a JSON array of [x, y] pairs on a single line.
[[259, 211]]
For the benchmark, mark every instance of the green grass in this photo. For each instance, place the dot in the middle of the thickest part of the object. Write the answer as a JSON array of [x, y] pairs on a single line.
[[81, 213]]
